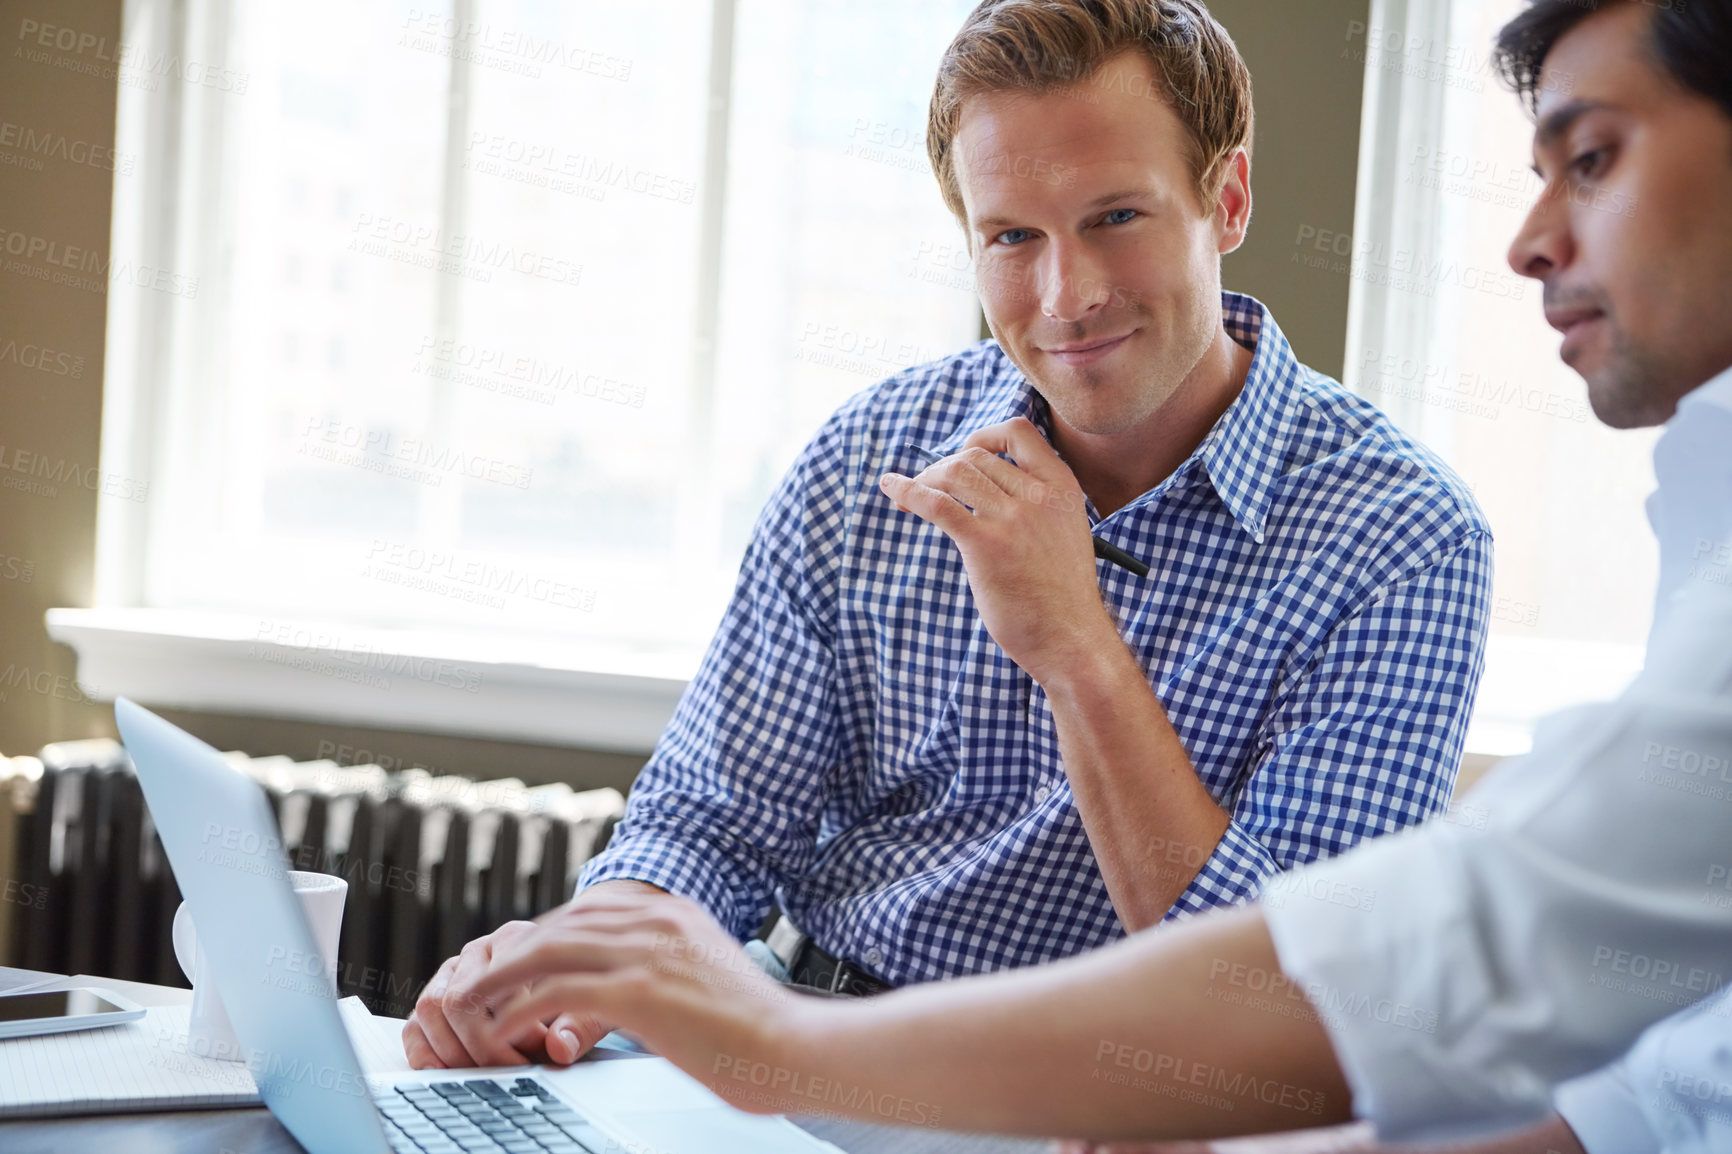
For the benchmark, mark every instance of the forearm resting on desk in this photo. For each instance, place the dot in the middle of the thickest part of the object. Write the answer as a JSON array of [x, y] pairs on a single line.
[[1124, 1043]]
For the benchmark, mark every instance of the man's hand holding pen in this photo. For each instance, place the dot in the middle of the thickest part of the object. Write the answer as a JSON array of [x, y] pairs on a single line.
[[1023, 532]]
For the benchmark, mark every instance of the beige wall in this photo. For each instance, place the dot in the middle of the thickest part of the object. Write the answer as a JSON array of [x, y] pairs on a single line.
[[1305, 162], [49, 420], [1307, 148]]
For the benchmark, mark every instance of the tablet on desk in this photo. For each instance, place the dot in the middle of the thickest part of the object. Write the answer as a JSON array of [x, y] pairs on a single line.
[[59, 1011]]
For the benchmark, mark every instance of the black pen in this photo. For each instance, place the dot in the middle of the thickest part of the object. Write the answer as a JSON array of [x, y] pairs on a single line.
[[1105, 550]]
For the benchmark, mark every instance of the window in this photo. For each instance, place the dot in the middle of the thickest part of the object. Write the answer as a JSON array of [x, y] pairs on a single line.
[[1450, 342], [486, 328], [501, 319]]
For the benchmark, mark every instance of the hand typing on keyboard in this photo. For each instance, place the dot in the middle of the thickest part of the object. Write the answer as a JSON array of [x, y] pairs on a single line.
[[657, 965], [445, 1031]]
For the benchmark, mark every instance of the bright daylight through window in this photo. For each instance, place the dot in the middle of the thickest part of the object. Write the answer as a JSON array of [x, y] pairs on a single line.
[[1449, 341], [508, 316], [501, 320]]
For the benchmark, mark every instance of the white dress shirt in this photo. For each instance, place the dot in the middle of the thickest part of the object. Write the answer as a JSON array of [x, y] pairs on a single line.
[[1496, 962], [1673, 1092]]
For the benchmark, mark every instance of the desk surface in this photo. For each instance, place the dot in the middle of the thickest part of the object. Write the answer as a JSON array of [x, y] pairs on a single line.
[[255, 1131]]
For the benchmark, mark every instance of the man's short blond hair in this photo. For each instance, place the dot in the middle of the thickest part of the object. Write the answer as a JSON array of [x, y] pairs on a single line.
[[1044, 46]]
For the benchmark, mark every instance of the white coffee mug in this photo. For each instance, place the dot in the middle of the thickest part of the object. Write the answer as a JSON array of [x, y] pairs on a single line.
[[209, 1033]]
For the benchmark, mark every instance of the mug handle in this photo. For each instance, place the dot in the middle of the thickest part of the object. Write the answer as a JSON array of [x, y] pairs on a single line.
[[185, 940]]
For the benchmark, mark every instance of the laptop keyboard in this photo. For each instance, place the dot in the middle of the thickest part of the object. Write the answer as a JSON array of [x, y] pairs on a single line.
[[485, 1116]]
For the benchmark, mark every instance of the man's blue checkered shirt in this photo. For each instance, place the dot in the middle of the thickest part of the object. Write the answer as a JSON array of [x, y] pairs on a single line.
[[857, 746]]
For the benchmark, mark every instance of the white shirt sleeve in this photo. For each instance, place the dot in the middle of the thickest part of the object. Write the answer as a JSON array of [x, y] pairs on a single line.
[[1603, 1112], [1672, 1091], [1491, 964], [1681, 1074]]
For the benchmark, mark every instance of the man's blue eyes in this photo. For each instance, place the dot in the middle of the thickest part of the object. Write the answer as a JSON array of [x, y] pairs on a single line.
[[1015, 236]]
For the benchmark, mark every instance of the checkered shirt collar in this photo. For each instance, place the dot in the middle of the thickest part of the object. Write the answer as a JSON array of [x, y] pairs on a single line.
[[1242, 454]]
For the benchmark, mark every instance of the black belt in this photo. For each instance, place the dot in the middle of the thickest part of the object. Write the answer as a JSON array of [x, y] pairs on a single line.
[[810, 966]]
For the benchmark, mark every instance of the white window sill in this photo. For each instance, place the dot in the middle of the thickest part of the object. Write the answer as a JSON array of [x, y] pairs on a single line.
[[568, 695], [559, 694]]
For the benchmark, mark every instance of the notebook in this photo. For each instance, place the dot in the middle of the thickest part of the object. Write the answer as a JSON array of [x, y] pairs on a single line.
[[147, 1065]]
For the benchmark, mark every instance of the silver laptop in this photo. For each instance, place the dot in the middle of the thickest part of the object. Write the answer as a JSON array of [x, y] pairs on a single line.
[[217, 829]]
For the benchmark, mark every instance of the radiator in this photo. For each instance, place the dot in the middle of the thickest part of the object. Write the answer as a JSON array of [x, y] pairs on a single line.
[[431, 862]]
